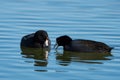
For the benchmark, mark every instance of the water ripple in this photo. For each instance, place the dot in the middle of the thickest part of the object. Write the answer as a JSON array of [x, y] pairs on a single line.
[[90, 19]]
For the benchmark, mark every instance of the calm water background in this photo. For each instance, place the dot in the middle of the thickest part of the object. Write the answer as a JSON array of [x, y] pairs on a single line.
[[86, 19]]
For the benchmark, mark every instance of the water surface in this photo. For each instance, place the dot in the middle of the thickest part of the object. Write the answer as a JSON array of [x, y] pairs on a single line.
[[86, 19]]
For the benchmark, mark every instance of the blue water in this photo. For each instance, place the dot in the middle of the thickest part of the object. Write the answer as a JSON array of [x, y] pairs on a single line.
[[85, 19]]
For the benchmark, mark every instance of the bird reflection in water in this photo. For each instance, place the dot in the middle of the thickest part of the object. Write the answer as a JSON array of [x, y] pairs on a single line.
[[39, 55], [67, 57]]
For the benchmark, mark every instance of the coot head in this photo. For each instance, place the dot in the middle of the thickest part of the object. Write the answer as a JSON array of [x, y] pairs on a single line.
[[40, 36], [62, 41]]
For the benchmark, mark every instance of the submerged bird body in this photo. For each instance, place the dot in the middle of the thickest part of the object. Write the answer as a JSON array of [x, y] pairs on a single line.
[[81, 45], [87, 46], [38, 39]]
